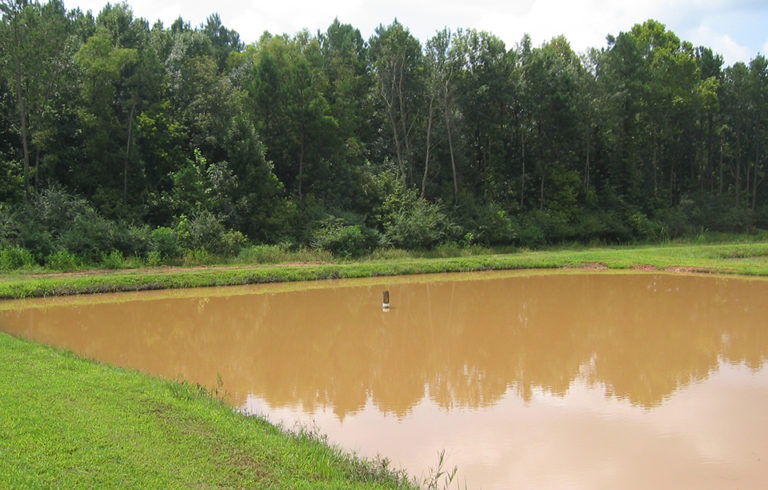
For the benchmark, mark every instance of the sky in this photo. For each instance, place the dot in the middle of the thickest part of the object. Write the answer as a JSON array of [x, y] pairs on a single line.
[[734, 28]]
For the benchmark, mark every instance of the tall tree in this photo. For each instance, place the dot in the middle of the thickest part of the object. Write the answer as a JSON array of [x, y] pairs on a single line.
[[35, 40], [397, 62]]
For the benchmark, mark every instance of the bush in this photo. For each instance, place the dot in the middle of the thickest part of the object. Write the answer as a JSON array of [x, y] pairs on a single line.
[[346, 241], [232, 241], [34, 237], [495, 226], [132, 240], [113, 260], [90, 236], [414, 223], [532, 236], [643, 227], [56, 210], [164, 243], [155, 258], [202, 230], [199, 256], [7, 225], [12, 258], [591, 226], [62, 260]]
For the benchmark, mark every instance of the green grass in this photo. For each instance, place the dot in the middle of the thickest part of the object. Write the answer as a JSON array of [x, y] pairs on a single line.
[[72, 423], [734, 258]]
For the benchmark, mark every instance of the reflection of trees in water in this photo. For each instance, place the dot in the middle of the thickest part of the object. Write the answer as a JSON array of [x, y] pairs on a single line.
[[462, 343]]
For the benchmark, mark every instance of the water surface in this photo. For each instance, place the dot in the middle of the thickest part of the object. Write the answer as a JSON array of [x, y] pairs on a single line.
[[526, 380]]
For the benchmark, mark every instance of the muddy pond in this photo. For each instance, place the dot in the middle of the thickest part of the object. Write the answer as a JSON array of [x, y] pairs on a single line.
[[525, 380]]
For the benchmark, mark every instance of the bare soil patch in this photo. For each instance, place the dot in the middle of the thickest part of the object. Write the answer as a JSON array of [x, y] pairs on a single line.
[[594, 266]]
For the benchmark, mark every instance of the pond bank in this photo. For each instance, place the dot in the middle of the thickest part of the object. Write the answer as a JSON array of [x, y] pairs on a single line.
[[72, 423], [743, 259]]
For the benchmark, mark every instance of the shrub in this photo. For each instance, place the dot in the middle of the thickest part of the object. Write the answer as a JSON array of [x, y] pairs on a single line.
[[495, 226], [164, 243], [62, 260], [202, 230], [90, 236], [7, 225], [132, 240], [12, 258], [591, 226], [113, 260], [532, 236], [346, 241], [232, 241], [155, 258], [56, 209], [643, 227], [199, 256], [414, 223]]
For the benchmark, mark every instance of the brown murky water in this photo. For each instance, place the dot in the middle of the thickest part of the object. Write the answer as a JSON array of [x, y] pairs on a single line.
[[528, 381]]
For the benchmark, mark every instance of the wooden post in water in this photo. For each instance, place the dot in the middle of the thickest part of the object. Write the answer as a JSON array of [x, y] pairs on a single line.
[[385, 301]]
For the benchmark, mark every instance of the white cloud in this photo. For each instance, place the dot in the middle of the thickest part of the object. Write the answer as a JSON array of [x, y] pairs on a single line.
[[719, 43]]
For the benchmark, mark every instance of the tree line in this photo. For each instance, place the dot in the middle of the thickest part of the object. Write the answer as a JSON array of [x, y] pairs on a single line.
[[120, 135]]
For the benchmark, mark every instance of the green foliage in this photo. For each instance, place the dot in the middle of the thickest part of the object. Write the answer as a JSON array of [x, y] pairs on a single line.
[[204, 230], [414, 223], [486, 224], [164, 244], [7, 225], [62, 260], [232, 241], [12, 258], [531, 235], [345, 240], [115, 129], [643, 227], [264, 254], [89, 236], [113, 260], [198, 256]]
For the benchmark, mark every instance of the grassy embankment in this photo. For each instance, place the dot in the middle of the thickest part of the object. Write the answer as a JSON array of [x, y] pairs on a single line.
[[69, 422], [742, 258]]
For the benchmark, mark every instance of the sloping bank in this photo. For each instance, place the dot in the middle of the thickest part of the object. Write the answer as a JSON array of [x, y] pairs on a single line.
[[745, 259], [71, 423]]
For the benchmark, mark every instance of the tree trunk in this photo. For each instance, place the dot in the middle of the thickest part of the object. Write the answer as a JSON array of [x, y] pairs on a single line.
[[738, 166], [709, 153], [37, 169], [301, 166], [23, 122], [754, 174], [128, 151], [450, 147], [426, 159], [655, 164], [720, 169], [403, 120], [389, 103], [586, 164], [522, 179]]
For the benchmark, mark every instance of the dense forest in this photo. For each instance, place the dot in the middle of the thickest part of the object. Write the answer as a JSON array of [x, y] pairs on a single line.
[[121, 137]]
